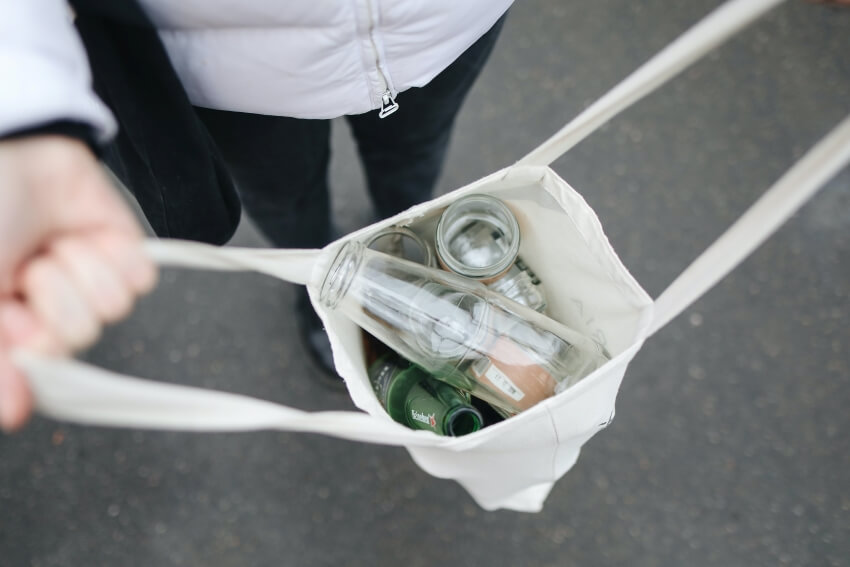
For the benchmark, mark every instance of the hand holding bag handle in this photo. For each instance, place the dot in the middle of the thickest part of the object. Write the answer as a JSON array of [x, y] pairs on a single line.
[[75, 391]]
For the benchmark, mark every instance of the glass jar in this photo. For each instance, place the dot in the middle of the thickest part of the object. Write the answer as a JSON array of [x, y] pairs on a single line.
[[478, 237], [402, 242], [456, 329]]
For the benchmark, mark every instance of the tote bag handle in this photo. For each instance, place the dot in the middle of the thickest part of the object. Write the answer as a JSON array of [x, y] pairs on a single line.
[[78, 392], [69, 390], [74, 391], [705, 35], [81, 393], [767, 214], [761, 220]]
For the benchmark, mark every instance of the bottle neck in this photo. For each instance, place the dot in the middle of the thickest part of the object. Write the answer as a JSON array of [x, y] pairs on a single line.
[[436, 406], [462, 420]]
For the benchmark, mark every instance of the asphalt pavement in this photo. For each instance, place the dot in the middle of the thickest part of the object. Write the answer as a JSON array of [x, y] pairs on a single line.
[[731, 444]]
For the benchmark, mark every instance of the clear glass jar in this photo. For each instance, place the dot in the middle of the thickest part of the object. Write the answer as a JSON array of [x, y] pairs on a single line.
[[402, 242], [478, 237], [456, 329]]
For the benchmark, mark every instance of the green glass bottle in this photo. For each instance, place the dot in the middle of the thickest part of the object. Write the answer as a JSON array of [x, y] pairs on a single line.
[[414, 398]]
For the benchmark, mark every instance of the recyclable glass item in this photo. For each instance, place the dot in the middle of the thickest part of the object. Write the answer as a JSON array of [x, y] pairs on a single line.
[[458, 330], [478, 237], [402, 242], [414, 398]]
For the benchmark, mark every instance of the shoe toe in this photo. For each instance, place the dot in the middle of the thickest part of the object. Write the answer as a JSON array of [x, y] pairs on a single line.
[[317, 343]]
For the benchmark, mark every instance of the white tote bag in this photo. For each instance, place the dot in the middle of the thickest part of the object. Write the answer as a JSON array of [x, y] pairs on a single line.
[[515, 463]]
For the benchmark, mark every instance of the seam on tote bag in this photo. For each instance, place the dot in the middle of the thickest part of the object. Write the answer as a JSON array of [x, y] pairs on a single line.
[[553, 470]]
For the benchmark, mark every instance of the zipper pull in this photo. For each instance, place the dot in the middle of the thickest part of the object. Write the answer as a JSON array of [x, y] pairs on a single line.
[[388, 104]]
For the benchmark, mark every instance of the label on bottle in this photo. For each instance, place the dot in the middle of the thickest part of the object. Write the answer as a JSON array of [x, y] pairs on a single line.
[[424, 409], [511, 373], [409, 395], [381, 374], [502, 382], [428, 419]]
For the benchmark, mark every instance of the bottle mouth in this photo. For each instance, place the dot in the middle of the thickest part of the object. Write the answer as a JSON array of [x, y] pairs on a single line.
[[403, 243], [463, 421], [478, 237], [340, 274]]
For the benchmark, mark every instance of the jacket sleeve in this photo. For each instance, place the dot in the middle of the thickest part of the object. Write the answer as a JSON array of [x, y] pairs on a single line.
[[44, 72]]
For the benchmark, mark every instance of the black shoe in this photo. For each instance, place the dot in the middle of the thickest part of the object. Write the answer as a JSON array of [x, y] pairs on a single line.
[[316, 340]]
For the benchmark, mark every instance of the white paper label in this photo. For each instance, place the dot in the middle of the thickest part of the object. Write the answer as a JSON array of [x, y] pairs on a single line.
[[501, 381]]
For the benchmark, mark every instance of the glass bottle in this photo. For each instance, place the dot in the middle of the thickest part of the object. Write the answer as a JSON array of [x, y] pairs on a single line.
[[458, 330], [414, 398], [478, 237]]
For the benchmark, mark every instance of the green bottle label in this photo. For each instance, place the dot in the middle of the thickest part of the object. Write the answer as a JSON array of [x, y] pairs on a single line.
[[382, 374], [424, 410]]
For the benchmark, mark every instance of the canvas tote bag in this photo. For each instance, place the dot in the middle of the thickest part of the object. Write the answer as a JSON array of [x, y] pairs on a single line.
[[512, 464]]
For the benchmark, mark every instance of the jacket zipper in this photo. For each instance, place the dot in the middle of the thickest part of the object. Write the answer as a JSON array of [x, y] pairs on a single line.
[[388, 102]]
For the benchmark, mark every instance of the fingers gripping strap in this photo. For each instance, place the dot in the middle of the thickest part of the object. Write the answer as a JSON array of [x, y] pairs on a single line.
[[294, 266], [713, 30], [80, 393], [781, 201]]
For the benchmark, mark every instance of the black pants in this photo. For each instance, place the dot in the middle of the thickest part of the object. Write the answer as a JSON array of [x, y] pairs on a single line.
[[280, 165]]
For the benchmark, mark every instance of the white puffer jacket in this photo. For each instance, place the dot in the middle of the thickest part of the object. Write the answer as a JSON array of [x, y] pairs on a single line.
[[299, 58]]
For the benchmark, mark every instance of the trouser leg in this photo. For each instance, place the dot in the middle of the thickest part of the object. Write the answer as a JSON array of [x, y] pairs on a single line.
[[280, 166]]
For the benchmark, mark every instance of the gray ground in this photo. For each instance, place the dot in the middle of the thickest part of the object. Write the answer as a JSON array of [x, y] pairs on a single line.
[[730, 445]]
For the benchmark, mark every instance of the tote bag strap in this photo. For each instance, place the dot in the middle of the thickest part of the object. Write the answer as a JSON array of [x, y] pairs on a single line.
[[294, 266], [74, 391], [69, 390], [762, 219], [767, 214], [704, 36]]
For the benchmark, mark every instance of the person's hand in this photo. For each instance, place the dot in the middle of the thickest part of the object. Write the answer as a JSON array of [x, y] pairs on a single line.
[[71, 257]]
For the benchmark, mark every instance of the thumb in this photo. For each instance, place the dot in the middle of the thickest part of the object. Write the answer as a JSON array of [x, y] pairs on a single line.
[[15, 395]]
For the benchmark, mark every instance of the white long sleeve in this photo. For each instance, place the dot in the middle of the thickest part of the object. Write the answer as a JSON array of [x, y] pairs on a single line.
[[44, 72]]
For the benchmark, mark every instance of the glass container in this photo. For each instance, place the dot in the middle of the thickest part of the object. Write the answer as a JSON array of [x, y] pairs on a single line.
[[457, 329], [402, 242], [414, 398], [478, 236]]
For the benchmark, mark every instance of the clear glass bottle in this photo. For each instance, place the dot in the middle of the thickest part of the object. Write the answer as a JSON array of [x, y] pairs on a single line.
[[416, 399], [478, 237], [458, 330]]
